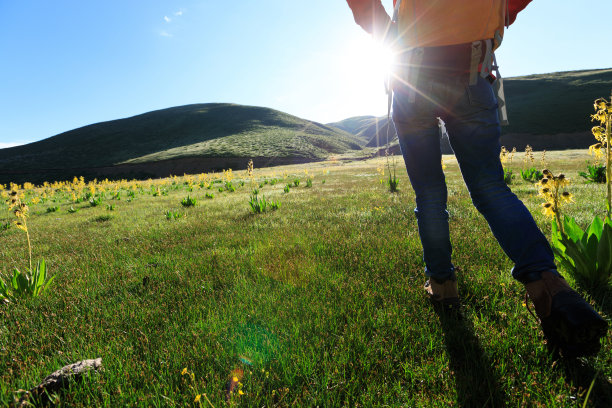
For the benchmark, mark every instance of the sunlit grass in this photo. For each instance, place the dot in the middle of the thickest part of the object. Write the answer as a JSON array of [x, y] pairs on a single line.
[[317, 303]]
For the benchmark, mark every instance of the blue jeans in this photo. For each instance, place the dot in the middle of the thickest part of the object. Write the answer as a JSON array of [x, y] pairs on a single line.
[[470, 114]]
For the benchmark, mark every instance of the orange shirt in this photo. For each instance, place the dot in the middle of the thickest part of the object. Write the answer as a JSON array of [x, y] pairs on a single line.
[[372, 17]]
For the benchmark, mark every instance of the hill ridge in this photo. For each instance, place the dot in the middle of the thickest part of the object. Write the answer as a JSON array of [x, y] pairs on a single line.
[[548, 111]]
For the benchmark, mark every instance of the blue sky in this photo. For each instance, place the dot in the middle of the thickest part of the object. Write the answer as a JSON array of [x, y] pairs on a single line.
[[70, 63]]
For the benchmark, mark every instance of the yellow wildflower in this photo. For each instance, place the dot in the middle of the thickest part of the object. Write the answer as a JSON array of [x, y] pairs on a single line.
[[197, 399], [600, 104], [561, 180], [600, 116], [599, 133], [503, 154], [595, 150], [184, 371], [567, 197], [548, 210]]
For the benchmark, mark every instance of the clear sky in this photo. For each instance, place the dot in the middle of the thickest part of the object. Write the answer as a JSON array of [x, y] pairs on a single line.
[[69, 63]]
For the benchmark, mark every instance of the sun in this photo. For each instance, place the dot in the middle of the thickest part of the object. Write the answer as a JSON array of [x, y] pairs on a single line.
[[364, 66]]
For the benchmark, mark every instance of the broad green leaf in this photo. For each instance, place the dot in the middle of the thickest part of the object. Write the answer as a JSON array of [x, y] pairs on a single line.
[[48, 283], [572, 230], [565, 261], [577, 255], [595, 227], [604, 251], [41, 272], [591, 253], [14, 281], [23, 283]]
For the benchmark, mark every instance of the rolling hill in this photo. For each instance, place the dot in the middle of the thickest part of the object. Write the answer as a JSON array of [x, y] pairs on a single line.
[[191, 138], [547, 111]]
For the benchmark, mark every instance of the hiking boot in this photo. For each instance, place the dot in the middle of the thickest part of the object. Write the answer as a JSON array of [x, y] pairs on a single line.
[[569, 323], [444, 293]]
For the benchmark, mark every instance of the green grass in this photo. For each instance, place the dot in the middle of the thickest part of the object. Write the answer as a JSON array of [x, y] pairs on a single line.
[[319, 303]]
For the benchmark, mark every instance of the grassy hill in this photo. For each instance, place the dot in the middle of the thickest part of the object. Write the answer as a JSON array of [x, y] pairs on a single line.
[[189, 138], [547, 111]]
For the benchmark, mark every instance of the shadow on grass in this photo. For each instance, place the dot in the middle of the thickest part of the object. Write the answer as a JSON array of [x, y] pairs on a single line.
[[476, 382], [580, 374]]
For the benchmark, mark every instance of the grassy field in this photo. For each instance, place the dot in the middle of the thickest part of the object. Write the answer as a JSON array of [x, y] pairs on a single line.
[[319, 303]]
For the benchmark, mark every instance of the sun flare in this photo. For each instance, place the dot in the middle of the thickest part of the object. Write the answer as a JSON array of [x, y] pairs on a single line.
[[363, 67]]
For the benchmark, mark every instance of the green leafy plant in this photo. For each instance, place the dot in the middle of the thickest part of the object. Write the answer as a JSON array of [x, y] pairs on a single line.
[[5, 226], [110, 207], [261, 204], [173, 215], [308, 182], [393, 182], [287, 188], [188, 202], [596, 173], [52, 209], [72, 210], [209, 196], [31, 283], [532, 175], [103, 218], [95, 201], [258, 204], [34, 281], [587, 255], [229, 187], [296, 182], [508, 176]]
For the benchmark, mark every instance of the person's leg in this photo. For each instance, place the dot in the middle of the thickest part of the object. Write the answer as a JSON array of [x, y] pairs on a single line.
[[567, 320], [417, 129], [474, 134]]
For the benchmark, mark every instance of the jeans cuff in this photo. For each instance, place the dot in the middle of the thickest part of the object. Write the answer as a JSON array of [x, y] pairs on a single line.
[[533, 275], [441, 278]]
